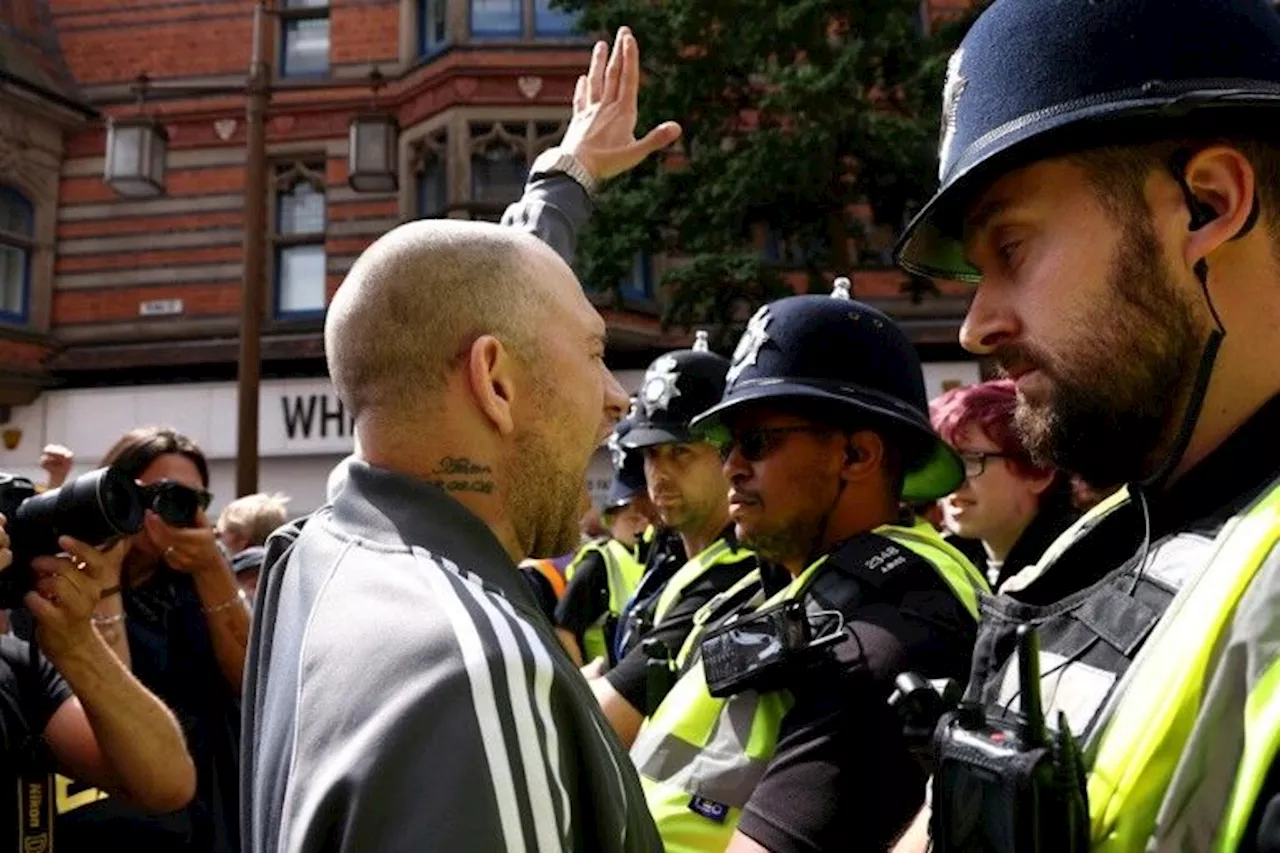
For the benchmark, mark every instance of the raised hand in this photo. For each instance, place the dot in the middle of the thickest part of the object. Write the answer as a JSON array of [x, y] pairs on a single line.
[[602, 134]]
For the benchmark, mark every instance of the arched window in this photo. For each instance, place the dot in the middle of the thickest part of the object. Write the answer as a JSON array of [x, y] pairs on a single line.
[[299, 250], [17, 240], [431, 167], [500, 158]]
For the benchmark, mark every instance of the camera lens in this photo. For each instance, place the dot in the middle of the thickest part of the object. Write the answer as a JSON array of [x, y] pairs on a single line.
[[176, 504], [119, 500]]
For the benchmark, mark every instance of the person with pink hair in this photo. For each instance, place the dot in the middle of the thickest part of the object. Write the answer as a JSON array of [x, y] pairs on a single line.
[[1008, 504]]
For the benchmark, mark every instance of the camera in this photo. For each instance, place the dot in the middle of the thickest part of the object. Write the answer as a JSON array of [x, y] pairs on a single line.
[[762, 650], [177, 505], [96, 508], [1008, 786]]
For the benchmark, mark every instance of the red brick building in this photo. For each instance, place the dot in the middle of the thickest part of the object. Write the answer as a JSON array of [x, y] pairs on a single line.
[[98, 290]]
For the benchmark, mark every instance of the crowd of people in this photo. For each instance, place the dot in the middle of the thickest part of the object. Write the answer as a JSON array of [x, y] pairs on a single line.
[[817, 610]]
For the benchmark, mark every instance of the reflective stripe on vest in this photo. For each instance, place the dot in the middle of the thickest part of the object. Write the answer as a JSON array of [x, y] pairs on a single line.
[[700, 758], [1141, 739], [622, 575], [624, 572], [709, 611], [714, 554], [1261, 742]]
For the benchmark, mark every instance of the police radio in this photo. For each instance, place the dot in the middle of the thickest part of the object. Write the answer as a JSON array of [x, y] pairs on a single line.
[[1001, 787]]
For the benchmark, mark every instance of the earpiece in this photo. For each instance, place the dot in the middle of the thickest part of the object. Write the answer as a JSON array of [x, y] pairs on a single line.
[[1202, 213], [852, 454]]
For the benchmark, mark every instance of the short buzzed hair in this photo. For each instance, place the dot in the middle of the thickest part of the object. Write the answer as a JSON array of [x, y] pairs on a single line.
[[414, 302], [255, 516]]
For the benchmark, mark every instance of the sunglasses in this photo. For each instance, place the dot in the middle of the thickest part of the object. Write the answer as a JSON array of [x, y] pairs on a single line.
[[758, 442], [975, 461], [176, 504]]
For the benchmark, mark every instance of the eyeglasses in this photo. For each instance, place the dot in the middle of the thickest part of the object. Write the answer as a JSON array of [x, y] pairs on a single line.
[[757, 443], [975, 461], [176, 504]]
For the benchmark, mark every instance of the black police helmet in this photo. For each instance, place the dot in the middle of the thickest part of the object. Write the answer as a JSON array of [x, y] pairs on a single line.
[[628, 481], [676, 387], [1039, 78], [846, 364]]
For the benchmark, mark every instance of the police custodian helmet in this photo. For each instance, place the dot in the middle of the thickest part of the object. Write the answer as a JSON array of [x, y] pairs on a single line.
[[676, 387], [1038, 78], [628, 468], [851, 366]]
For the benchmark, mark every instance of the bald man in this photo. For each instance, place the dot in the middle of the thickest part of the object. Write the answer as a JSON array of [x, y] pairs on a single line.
[[403, 691]]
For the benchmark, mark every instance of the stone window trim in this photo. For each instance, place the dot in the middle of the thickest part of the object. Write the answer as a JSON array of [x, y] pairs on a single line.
[[19, 245], [290, 13], [450, 134], [286, 174], [458, 30], [30, 160]]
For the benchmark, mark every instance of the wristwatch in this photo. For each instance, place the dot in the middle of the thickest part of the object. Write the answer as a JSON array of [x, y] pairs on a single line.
[[558, 160]]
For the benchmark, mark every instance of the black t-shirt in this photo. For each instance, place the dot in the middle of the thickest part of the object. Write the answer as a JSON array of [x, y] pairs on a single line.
[[842, 777], [630, 677], [28, 700], [586, 597], [173, 656]]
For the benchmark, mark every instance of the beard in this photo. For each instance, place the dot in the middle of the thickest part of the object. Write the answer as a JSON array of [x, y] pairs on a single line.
[[784, 544], [1113, 402], [548, 489]]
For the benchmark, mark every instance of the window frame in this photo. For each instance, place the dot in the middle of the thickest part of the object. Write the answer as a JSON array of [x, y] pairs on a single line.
[[424, 17], [26, 244], [291, 15], [647, 298], [431, 149], [538, 32], [287, 177], [531, 143], [511, 34]]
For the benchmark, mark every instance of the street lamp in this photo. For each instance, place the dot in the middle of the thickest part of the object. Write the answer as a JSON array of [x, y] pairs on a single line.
[[372, 147], [136, 149], [135, 168]]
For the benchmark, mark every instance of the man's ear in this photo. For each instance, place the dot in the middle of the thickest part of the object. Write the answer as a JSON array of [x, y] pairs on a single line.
[[863, 455], [1224, 184], [491, 377]]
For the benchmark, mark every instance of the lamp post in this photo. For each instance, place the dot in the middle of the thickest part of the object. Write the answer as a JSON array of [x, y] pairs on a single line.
[[135, 168]]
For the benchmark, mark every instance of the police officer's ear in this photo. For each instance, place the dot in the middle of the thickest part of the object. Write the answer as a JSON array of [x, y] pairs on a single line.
[[1218, 195], [490, 375], [863, 455]]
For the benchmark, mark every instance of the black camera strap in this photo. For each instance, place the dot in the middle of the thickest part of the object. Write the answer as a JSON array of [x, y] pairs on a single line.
[[36, 805]]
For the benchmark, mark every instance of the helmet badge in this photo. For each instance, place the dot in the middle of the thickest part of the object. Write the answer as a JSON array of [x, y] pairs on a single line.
[[951, 92], [660, 385], [749, 347]]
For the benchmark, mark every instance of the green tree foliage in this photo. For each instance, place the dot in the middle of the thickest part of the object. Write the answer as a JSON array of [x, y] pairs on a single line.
[[793, 112]]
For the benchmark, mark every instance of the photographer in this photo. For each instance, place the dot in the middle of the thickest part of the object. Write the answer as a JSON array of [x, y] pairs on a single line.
[[76, 708], [173, 611]]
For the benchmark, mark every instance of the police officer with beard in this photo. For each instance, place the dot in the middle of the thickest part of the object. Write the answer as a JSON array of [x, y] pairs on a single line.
[[1120, 218]]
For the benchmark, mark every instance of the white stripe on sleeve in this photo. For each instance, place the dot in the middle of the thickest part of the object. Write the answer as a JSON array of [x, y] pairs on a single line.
[[535, 756], [484, 702]]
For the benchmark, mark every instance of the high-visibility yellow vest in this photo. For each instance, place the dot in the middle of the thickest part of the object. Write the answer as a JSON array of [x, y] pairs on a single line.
[[1179, 757], [700, 757], [622, 574], [644, 616]]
